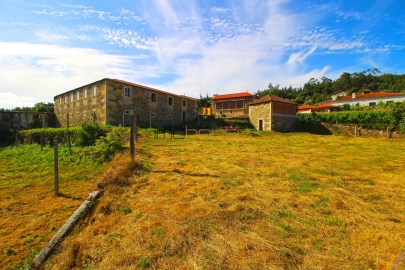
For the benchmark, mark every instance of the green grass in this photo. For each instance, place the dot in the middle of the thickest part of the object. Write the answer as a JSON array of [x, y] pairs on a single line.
[[272, 201], [31, 212]]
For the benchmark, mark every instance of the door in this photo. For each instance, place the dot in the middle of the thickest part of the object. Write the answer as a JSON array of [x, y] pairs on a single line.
[[261, 124]]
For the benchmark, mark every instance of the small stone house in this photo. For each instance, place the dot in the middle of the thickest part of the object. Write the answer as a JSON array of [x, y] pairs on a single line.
[[110, 101], [231, 105], [273, 113]]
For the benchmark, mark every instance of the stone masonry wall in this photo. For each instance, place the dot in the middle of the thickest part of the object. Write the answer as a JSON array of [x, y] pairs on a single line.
[[81, 103], [158, 113], [112, 107], [283, 123], [260, 112], [25, 120]]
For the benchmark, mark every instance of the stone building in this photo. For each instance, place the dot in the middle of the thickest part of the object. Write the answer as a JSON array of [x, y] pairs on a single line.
[[25, 120], [231, 105], [110, 102], [273, 113]]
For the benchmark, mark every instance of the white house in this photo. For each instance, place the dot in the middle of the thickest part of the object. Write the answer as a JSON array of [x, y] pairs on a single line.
[[369, 99], [319, 108]]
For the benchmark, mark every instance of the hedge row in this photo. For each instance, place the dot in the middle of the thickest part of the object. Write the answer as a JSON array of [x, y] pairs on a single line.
[[78, 135], [393, 118]]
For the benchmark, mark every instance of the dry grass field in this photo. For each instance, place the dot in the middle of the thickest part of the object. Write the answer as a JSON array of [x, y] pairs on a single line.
[[30, 213], [248, 201]]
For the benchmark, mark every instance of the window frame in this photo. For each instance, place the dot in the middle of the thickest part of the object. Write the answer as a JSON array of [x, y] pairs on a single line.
[[127, 92], [153, 97]]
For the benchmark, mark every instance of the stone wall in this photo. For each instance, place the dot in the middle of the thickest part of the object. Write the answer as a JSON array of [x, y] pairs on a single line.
[[259, 112], [361, 132], [156, 113], [25, 120], [277, 122], [111, 105], [283, 123], [235, 112], [81, 104]]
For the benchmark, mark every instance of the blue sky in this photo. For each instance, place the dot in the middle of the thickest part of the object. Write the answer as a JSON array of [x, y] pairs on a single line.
[[192, 47]]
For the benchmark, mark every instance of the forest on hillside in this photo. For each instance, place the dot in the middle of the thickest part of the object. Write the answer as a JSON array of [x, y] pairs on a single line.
[[315, 91]]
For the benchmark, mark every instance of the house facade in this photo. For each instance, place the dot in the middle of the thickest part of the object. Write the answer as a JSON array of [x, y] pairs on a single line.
[[317, 108], [367, 99], [273, 113], [231, 105], [111, 101]]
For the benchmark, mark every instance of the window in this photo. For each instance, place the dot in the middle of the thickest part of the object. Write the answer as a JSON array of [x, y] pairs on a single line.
[[85, 93], [72, 97], [219, 106], [153, 97], [78, 95], [239, 104], [184, 103], [372, 104], [390, 101], [170, 101], [184, 117], [60, 101], [94, 91], [65, 99], [127, 92], [126, 111]]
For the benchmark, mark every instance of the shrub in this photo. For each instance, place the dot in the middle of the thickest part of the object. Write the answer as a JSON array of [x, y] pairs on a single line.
[[88, 134], [106, 147]]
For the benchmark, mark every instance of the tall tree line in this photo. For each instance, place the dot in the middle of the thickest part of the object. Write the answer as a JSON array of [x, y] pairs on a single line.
[[317, 91]]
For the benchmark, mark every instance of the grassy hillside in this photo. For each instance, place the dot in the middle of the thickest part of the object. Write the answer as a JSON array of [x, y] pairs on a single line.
[[30, 213], [246, 201]]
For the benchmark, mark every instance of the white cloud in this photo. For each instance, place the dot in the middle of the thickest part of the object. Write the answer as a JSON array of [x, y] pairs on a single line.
[[10, 100], [36, 72], [299, 57]]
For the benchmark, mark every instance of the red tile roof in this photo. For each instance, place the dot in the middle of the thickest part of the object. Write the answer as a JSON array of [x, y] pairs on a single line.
[[235, 95], [150, 88], [322, 106], [371, 95], [270, 98], [305, 107]]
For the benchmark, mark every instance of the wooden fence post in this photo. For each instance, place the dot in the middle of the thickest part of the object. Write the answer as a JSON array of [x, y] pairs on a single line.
[[42, 133], [355, 131], [16, 138], [55, 170], [68, 134], [388, 133], [136, 127], [131, 139]]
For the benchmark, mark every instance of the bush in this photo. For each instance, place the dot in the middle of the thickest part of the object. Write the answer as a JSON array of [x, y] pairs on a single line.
[[105, 147], [88, 134]]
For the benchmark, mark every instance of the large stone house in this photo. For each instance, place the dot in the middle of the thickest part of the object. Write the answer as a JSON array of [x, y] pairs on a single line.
[[110, 101], [273, 113], [231, 105]]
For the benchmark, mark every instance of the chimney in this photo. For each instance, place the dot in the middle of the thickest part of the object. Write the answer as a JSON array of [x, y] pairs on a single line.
[[353, 95]]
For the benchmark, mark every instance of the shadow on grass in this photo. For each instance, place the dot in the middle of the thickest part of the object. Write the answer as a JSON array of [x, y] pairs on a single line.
[[189, 174], [314, 128], [60, 194]]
